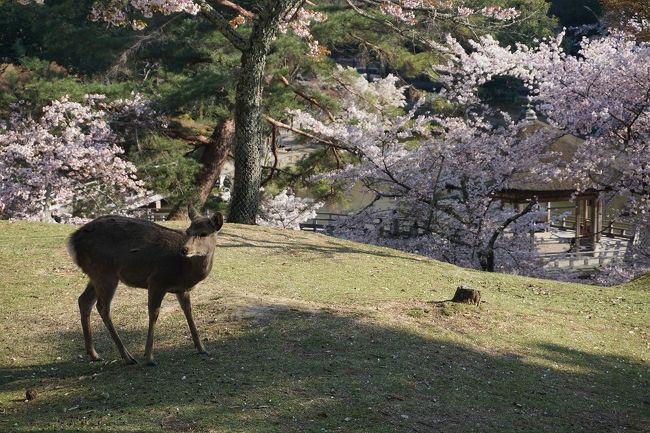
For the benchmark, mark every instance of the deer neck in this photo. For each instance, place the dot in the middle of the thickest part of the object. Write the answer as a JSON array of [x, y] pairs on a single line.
[[198, 267]]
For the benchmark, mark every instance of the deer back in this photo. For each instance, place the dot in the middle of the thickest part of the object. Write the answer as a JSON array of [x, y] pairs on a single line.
[[129, 249]]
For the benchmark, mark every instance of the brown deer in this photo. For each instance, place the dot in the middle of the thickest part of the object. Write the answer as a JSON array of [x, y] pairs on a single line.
[[142, 254]]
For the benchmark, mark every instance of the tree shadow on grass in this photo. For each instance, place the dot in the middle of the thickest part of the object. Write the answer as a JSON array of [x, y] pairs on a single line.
[[289, 370]]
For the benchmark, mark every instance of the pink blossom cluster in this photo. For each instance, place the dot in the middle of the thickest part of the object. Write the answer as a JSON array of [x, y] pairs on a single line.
[[166, 7], [116, 14], [68, 155], [111, 14], [499, 13], [396, 10], [299, 21], [465, 12], [444, 177], [286, 210]]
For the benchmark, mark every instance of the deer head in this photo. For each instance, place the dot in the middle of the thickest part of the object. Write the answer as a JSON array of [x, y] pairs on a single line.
[[201, 234]]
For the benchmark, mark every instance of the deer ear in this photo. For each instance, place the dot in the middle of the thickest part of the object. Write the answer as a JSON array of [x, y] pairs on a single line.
[[217, 221], [191, 212]]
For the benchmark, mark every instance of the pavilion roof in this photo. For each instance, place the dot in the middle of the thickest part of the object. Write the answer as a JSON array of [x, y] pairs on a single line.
[[527, 184]]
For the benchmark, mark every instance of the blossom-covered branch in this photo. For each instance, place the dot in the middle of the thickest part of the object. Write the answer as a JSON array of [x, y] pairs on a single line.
[[70, 155]]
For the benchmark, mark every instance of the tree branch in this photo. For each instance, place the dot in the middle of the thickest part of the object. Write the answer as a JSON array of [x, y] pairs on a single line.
[[307, 98], [282, 125], [237, 8], [486, 257], [223, 25]]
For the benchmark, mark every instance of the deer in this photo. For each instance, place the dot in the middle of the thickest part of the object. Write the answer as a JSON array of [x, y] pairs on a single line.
[[142, 254]]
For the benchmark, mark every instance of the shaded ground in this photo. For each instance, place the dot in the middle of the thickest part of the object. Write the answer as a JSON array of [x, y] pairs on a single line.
[[312, 334]]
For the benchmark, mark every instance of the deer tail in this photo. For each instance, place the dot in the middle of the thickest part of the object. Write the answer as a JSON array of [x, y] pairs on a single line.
[[72, 250]]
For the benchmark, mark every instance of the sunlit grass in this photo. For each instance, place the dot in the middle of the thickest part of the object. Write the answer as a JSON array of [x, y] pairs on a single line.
[[310, 333]]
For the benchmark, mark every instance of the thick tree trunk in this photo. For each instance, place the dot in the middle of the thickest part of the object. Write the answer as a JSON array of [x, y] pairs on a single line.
[[248, 101], [248, 136]]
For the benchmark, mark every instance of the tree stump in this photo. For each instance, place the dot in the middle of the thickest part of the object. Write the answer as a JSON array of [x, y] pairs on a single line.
[[467, 295], [30, 394]]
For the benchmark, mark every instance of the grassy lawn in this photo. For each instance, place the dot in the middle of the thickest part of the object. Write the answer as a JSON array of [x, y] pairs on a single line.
[[313, 334]]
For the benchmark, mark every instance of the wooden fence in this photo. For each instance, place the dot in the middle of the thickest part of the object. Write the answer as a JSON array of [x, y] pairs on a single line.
[[583, 260], [395, 227], [612, 230], [324, 222]]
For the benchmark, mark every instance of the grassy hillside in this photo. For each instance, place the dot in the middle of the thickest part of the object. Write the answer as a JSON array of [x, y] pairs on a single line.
[[313, 334]]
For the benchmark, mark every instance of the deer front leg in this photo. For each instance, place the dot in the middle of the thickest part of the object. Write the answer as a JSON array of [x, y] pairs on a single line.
[[186, 305], [155, 299]]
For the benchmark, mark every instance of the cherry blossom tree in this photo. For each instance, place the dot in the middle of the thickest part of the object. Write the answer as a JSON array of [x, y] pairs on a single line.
[[69, 155], [439, 173], [602, 95]]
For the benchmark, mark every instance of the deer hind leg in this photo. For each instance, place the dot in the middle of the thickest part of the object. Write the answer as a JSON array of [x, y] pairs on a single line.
[[105, 289], [86, 302], [155, 299], [186, 306]]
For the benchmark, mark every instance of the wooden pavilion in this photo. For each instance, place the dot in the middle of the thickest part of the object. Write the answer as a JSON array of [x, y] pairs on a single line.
[[588, 209]]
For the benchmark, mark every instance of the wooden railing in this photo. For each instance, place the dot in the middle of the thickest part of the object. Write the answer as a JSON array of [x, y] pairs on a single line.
[[583, 260], [612, 230], [395, 227], [323, 222]]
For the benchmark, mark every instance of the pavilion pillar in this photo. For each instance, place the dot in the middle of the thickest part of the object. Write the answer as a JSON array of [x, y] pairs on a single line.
[[599, 218], [548, 216], [593, 221], [578, 215], [585, 232]]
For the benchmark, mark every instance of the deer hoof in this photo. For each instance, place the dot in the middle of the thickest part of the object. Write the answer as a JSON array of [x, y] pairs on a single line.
[[204, 352], [96, 358], [130, 361], [151, 363]]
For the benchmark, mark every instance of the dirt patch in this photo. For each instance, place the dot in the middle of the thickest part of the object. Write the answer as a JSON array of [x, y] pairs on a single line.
[[174, 422]]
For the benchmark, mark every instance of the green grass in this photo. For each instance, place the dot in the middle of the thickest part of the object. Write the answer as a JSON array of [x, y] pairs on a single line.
[[314, 334]]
